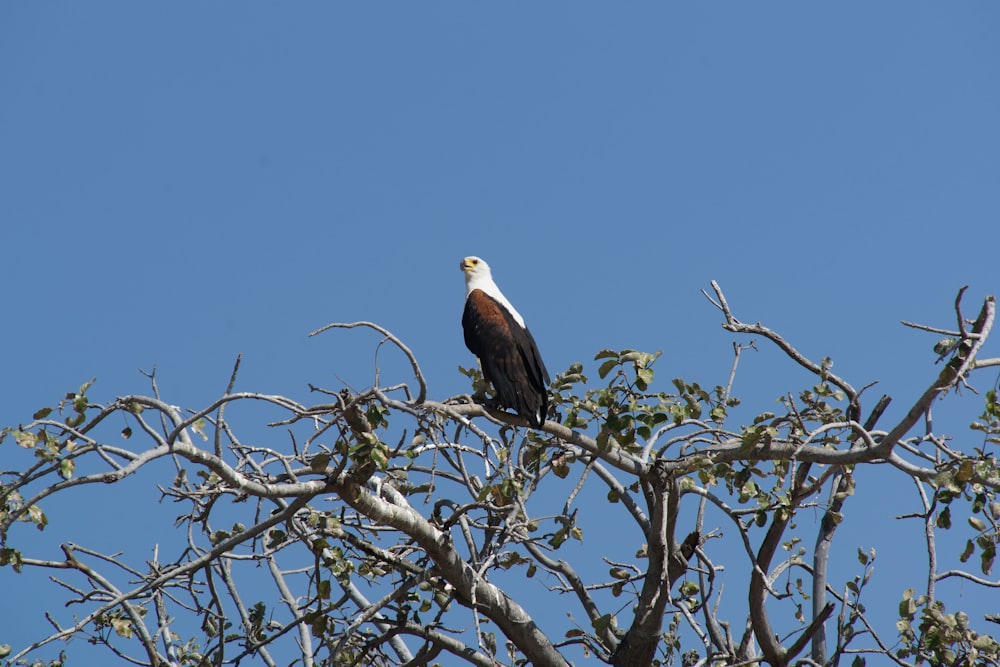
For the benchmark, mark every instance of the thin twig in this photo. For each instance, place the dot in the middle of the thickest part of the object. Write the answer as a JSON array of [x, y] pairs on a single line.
[[422, 394]]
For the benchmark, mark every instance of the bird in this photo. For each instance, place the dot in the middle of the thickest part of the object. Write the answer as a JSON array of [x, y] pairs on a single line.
[[495, 332]]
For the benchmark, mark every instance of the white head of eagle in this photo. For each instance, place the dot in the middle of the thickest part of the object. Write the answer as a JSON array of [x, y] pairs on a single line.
[[495, 332]]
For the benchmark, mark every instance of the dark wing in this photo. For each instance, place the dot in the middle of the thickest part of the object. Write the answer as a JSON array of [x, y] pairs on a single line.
[[509, 356]]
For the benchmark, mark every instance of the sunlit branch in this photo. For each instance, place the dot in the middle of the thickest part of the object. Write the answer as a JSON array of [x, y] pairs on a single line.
[[395, 341], [953, 371], [735, 326]]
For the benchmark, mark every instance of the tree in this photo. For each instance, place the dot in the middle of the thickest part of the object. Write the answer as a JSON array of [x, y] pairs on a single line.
[[381, 527]]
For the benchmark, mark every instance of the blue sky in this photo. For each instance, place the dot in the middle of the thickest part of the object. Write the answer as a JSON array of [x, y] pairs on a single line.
[[183, 184]]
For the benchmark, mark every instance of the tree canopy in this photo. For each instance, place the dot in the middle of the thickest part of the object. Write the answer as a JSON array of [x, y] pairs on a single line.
[[646, 522]]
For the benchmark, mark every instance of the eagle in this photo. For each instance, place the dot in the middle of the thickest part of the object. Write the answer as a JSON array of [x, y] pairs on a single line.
[[495, 332]]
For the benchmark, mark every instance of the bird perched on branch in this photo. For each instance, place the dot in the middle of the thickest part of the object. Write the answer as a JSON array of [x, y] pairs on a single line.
[[495, 332]]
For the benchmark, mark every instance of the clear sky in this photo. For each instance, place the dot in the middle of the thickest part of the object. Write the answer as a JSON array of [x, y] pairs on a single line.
[[182, 183]]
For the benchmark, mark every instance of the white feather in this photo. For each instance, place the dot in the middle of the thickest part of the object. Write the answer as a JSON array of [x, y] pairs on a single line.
[[478, 276]]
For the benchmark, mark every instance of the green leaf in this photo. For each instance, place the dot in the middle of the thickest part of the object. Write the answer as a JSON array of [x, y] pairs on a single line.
[[319, 462], [979, 502], [907, 606], [606, 367], [558, 538], [275, 537], [969, 548], [218, 536], [689, 588], [25, 439], [86, 385], [602, 623], [37, 517], [986, 559], [122, 626], [318, 627], [42, 414], [10, 557], [318, 545], [945, 346], [560, 466], [199, 428]]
